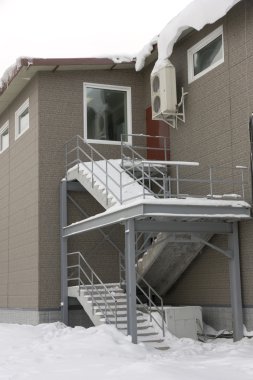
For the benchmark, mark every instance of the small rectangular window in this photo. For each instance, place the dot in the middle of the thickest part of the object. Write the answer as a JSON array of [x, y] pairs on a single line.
[[107, 113], [206, 55], [22, 119], [4, 137]]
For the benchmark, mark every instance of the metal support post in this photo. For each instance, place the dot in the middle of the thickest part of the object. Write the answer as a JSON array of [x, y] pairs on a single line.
[[130, 279], [235, 284], [64, 274]]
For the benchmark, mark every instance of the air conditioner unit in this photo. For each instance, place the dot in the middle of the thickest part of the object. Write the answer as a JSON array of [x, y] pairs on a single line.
[[164, 92]]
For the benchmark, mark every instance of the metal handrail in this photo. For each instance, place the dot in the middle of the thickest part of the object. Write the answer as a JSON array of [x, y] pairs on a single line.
[[140, 170], [159, 309], [103, 295]]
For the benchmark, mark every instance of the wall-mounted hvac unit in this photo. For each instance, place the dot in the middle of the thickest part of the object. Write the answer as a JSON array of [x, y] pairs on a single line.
[[164, 96]]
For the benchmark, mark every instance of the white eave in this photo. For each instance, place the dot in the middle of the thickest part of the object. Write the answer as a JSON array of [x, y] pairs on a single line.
[[28, 68]]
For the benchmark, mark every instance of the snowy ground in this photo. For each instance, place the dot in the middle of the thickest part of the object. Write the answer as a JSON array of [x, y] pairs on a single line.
[[53, 351]]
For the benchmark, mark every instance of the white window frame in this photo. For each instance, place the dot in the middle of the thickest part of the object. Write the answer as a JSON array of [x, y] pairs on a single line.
[[18, 113], [2, 130], [194, 49], [129, 111]]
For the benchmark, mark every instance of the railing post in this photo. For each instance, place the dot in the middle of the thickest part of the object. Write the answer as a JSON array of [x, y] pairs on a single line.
[[64, 248], [92, 169], [116, 314], [164, 186], [78, 157], [211, 181], [177, 179], [149, 177], [106, 181], [242, 176], [92, 292], [79, 277], [163, 328], [143, 180], [120, 184], [149, 299], [121, 151], [165, 148], [66, 159]]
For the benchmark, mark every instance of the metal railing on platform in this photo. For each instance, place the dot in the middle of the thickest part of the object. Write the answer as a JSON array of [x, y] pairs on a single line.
[[156, 178]]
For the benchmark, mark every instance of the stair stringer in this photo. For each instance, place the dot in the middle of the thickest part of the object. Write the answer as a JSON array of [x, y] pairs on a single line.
[[95, 189], [146, 331], [164, 262]]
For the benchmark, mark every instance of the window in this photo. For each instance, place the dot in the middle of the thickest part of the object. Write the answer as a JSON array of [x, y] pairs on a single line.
[[107, 113], [206, 55], [22, 119], [4, 137]]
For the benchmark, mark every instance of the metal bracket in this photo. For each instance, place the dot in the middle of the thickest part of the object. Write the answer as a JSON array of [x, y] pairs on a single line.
[[171, 119], [228, 253]]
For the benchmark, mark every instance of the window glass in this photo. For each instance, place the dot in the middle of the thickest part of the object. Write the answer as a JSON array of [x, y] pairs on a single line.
[[4, 140], [23, 121], [106, 114], [208, 55]]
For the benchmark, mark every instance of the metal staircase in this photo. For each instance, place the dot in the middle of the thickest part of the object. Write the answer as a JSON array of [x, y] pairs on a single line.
[[107, 303], [120, 182], [169, 254]]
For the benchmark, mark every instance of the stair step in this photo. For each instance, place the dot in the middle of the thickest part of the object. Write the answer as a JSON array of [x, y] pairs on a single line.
[[163, 346], [101, 293], [119, 314], [122, 320], [101, 299]]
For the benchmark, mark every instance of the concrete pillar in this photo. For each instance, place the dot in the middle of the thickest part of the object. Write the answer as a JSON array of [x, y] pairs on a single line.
[[64, 274], [130, 279], [235, 284]]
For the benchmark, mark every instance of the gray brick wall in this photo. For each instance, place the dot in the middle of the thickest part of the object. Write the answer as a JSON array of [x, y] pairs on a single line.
[[61, 118], [19, 208], [216, 132]]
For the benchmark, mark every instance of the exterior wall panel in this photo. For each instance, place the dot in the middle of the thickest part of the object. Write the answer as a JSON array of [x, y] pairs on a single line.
[[19, 208], [216, 132], [60, 119]]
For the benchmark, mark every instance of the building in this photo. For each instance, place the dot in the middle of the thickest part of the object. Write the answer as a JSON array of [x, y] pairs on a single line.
[[45, 103]]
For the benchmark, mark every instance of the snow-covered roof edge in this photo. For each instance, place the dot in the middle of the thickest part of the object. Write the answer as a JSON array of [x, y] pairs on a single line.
[[196, 15], [14, 69]]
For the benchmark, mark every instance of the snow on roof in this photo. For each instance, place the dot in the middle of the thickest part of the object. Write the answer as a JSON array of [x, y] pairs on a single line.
[[196, 15]]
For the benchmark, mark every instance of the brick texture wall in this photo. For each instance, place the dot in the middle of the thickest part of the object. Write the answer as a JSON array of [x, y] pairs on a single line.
[[216, 132], [19, 208], [61, 118]]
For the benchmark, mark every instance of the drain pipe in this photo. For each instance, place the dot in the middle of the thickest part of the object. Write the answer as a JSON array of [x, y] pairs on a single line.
[[251, 154]]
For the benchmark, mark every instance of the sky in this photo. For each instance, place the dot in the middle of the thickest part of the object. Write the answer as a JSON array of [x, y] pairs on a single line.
[[80, 28]]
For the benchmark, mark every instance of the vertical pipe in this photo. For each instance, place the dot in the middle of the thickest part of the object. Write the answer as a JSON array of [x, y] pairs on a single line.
[[131, 279], [64, 245], [235, 284]]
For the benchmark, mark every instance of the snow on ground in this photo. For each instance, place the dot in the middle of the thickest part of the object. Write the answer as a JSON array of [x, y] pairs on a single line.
[[53, 351]]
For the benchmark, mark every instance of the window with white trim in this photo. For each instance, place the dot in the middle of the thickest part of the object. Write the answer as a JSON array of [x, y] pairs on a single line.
[[22, 119], [107, 113], [206, 55], [4, 137]]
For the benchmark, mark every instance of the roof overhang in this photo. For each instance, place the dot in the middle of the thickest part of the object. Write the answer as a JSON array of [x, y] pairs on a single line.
[[27, 68]]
